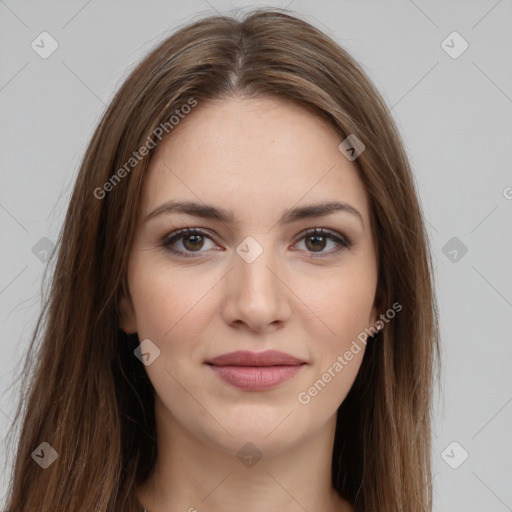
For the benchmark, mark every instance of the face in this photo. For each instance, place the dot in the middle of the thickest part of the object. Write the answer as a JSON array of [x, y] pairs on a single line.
[[264, 277]]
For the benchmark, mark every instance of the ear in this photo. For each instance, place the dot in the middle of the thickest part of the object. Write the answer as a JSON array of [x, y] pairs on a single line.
[[127, 319]]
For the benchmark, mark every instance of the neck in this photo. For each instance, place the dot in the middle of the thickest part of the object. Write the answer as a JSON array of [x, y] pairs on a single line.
[[197, 476]]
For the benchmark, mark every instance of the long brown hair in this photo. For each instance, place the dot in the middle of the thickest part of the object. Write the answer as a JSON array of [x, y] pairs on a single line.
[[88, 396]]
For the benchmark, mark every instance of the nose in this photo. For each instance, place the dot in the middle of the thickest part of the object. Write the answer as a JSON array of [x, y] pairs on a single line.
[[256, 294]]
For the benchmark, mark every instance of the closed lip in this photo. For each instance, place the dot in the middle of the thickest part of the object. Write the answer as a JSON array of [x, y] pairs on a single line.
[[248, 358]]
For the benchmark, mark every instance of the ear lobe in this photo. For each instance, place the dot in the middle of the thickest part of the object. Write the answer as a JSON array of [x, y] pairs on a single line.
[[127, 320]]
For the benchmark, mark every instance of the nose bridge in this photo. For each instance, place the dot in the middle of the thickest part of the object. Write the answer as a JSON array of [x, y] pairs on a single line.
[[255, 260], [257, 296]]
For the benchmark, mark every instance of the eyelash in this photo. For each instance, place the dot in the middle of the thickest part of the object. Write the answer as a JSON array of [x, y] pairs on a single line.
[[341, 241]]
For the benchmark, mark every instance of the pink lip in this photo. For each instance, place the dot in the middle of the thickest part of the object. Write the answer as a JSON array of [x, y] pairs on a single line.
[[255, 370]]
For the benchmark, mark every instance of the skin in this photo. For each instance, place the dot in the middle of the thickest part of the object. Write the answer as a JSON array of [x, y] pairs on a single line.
[[255, 158]]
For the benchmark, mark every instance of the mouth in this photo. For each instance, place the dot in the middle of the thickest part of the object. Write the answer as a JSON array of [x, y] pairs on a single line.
[[255, 371]]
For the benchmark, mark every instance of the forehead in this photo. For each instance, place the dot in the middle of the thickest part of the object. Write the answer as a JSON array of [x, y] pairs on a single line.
[[255, 157]]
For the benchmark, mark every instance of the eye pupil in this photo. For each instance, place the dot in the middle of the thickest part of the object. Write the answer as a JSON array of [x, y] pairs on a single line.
[[194, 244], [317, 245]]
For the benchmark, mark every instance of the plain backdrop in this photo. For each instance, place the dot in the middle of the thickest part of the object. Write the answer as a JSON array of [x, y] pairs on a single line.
[[453, 106]]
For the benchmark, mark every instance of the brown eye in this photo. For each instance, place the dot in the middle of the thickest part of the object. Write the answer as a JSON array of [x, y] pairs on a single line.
[[193, 242], [316, 242]]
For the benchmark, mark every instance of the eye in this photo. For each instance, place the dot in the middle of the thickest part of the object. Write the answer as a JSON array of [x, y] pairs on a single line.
[[193, 240], [316, 239]]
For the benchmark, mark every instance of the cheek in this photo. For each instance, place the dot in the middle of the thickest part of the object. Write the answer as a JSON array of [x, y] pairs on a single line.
[[342, 310], [342, 302], [342, 307], [168, 302]]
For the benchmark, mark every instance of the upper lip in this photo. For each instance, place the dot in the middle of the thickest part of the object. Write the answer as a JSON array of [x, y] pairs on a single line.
[[248, 358]]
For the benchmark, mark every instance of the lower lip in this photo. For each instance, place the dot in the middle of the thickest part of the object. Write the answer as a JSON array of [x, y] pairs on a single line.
[[255, 378]]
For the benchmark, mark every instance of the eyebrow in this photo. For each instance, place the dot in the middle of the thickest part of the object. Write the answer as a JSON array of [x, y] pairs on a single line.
[[290, 215]]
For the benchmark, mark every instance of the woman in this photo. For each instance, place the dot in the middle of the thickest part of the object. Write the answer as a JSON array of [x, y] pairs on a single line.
[[242, 312]]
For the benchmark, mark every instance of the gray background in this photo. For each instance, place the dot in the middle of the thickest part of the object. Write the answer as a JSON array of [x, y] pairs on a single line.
[[455, 115]]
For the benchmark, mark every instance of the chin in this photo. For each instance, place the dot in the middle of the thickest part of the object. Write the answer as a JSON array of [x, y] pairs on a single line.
[[247, 437]]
